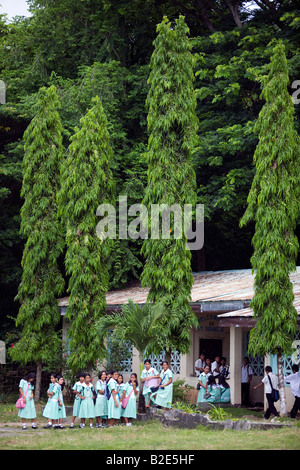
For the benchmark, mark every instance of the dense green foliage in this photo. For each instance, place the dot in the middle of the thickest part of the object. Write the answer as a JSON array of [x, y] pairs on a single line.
[[86, 182], [42, 281], [96, 47], [273, 203], [172, 126]]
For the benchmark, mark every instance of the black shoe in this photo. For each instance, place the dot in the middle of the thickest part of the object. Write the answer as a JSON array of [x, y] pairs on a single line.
[[48, 426]]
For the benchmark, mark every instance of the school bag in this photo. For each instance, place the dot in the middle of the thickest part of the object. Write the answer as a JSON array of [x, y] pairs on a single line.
[[154, 389], [126, 400], [107, 393], [275, 393], [20, 402]]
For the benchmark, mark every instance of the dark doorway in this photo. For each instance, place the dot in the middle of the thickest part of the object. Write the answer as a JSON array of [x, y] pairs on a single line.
[[211, 348]]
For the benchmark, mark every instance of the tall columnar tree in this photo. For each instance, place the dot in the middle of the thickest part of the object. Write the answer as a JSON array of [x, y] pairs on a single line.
[[42, 281], [86, 182], [172, 125], [273, 204]]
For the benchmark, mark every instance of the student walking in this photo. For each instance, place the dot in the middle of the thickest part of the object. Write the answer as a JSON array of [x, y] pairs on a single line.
[[101, 402], [131, 391], [77, 389], [87, 407], [294, 380], [270, 381], [26, 388]]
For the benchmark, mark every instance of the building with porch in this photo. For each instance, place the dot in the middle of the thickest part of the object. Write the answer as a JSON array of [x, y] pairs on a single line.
[[220, 300]]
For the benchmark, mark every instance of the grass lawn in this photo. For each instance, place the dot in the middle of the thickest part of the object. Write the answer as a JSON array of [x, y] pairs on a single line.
[[141, 436]]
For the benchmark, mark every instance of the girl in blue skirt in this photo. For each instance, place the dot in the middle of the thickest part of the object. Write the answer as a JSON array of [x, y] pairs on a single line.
[[77, 389], [53, 380], [53, 404], [26, 388], [101, 402], [121, 387], [114, 408], [87, 407], [208, 393], [131, 390], [164, 395], [61, 407]]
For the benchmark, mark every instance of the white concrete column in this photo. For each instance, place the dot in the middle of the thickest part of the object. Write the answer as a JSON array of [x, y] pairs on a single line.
[[136, 362], [235, 364]]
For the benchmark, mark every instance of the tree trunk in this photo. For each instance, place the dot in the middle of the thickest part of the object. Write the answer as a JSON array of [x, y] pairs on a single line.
[[234, 8], [281, 388], [168, 358], [141, 407], [38, 382]]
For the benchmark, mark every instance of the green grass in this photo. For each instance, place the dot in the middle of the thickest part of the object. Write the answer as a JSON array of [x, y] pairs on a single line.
[[150, 435]]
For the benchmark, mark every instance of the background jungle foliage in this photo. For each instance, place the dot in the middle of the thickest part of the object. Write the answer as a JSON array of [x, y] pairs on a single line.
[[101, 47]]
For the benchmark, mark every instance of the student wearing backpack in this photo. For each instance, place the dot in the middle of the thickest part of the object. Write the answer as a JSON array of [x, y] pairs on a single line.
[[270, 381]]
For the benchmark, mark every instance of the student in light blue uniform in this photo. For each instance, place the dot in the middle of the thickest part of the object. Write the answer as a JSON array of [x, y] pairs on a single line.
[[54, 402], [131, 390], [208, 393], [114, 407], [77, 389], [164, 395], [61, 407], [121, 386], [101, 402], [87, 407], [53, 380], [148, 373], [26, 388]]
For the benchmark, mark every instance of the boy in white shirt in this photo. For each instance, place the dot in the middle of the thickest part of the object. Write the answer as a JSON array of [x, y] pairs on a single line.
[[268, 389], [294, 380], [215, 366], [199, 365]]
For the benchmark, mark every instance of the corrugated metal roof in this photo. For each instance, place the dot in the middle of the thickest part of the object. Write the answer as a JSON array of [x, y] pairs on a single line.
[[208, 286], [248, 312]]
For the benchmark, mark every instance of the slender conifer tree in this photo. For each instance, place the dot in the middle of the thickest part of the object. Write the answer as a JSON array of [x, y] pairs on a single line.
[[42, 282], [172, 126], [273, 204], [86, 182]]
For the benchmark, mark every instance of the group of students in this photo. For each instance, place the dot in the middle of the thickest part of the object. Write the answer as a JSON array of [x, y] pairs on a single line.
[[212, 376], [107, 402], [111, 401]]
